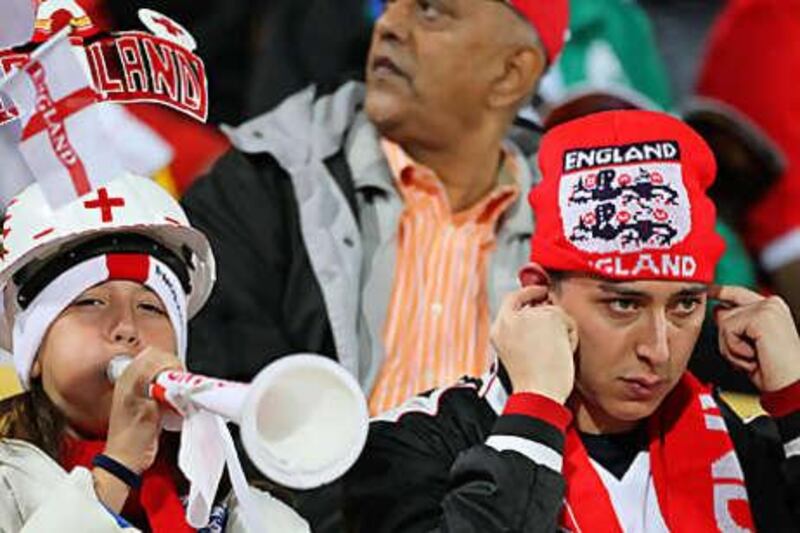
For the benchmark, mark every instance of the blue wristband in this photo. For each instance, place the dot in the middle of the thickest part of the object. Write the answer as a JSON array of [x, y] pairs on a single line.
[[118, 470]]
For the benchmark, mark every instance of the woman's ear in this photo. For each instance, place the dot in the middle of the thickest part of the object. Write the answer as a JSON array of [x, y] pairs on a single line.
[[36, 369]]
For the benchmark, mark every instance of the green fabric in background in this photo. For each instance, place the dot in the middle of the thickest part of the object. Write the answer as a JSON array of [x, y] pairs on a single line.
[[611, 45], [736, 266]]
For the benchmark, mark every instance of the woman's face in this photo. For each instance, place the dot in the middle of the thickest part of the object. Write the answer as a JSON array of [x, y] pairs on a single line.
[[113, 318]]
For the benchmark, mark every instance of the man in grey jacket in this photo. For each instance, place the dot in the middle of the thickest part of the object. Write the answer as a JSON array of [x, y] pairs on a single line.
[[305, 212]]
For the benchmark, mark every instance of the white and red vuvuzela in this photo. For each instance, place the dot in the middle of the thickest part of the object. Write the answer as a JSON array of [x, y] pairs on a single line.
[[61, 129]]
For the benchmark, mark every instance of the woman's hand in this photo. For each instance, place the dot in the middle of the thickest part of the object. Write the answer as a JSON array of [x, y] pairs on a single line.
[[135, 421]]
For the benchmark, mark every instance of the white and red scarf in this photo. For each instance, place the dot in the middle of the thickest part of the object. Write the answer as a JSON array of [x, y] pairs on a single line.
[[698, 480], [157, 499]]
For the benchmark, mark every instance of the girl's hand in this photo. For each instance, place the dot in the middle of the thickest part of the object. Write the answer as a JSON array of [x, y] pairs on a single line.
[[135, 421]]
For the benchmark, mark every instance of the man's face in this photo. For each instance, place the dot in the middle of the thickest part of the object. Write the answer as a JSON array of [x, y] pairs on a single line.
[[635, 342], [431, 64]]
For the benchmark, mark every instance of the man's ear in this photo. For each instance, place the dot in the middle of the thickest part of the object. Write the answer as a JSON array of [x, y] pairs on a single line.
[[533, 274], [521, 72]]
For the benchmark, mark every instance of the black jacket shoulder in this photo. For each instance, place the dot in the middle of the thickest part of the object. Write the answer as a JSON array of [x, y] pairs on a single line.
[[772, 479], [428, 469], [267, 302]]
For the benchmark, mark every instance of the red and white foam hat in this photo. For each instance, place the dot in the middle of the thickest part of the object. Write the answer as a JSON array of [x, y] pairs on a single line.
[[80, 190], [623, 196], [34, 232]]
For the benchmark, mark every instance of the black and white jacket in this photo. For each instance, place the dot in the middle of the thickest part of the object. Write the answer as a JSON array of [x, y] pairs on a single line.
[[442, 462]]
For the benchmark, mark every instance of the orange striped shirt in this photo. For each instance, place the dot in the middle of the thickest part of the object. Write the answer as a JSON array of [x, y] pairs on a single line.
[[437, 323]]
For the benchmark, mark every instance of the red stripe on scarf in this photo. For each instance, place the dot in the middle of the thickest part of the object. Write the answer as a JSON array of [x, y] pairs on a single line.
[[587, 504], [132, 267], [683, 451], [158, 498]]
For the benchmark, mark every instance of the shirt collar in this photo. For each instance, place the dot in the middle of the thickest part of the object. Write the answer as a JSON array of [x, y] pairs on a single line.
[[370, 169], [514, 171]]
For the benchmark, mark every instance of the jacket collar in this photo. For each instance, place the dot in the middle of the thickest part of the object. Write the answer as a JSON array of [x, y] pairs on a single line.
[[306, 127], [519, 217], [496, 387], [368, 164]]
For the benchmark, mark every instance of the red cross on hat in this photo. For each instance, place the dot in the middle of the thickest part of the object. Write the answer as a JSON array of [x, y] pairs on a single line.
[[166, 28], [169, 26], [105, 204]]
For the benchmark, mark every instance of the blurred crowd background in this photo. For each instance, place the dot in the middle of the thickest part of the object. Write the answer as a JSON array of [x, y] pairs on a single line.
[[732, 84]]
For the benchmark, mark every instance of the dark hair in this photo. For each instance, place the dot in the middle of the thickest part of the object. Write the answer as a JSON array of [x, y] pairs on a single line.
[[557, 277], [32, 417]]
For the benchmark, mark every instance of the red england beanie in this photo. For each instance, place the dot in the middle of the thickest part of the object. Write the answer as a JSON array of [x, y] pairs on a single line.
[[550, 18], [623, 196]]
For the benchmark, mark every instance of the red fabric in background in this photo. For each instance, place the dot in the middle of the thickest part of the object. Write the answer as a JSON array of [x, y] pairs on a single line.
[[752, 64], [196, 146]]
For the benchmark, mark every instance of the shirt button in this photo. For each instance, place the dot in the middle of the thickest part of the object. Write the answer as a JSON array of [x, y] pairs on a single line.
[[436, 309]]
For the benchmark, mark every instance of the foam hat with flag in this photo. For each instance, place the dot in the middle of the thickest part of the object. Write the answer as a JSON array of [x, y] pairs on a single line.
[[60, 120], [550, 18], [623, 196], [63, 174]]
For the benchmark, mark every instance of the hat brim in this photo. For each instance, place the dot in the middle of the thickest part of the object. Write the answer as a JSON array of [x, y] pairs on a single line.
[[587, 100], [714, 120]]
